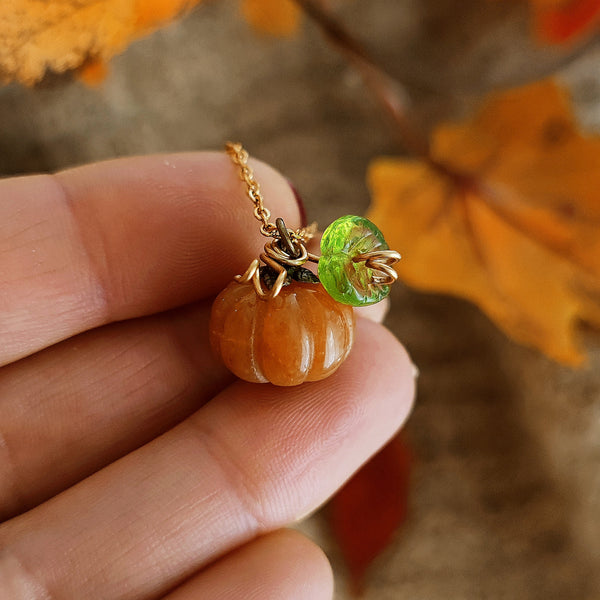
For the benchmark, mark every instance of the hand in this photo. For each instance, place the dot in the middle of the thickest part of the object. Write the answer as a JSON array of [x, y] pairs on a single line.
[[132, 465]]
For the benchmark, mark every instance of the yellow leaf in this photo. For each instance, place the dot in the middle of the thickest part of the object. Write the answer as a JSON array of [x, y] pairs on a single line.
[[61, 35], [506, 214], [274, 17]]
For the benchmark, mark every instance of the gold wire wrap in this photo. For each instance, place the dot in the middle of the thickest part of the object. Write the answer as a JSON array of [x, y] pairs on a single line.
[[382, 263], [276, 258], [287, 248]]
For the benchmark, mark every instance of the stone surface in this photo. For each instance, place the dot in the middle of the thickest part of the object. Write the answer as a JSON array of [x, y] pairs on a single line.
[[506, 488], [344, 279]]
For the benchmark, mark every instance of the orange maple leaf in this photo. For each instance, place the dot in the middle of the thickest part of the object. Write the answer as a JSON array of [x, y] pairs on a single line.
[[37, 37], [58, 36], [559, 21], [274, 17], [505, 213]]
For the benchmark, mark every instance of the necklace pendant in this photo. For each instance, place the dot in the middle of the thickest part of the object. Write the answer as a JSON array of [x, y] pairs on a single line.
[[277, 322], [302, 334]]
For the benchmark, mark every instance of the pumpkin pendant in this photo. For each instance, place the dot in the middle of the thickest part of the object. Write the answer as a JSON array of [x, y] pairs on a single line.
[[284, 327], [277, 323], [300, 335]]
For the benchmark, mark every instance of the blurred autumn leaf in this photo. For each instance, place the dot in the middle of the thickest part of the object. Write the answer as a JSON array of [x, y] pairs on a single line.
[[505, 212], [59, 36], [366, 513], [273, 17], [62, 35], [559, 21]]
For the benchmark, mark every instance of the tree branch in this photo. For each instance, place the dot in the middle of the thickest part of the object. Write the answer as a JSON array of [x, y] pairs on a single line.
[[388, 92]]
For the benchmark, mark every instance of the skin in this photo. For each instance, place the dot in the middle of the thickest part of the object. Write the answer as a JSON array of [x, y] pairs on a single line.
[[132, 464]]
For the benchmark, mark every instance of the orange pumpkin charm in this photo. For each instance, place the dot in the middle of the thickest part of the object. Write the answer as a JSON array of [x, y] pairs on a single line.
[[302, 334], [277, 323]]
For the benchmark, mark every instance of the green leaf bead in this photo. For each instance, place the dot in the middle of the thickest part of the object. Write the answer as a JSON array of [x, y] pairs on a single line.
[[347, 281]]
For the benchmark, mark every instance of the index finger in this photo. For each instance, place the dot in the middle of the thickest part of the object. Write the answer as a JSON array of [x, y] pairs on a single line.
[[122, 239]]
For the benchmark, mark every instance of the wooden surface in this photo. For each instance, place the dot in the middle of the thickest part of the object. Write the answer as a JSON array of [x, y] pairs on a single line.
[[506, 492]]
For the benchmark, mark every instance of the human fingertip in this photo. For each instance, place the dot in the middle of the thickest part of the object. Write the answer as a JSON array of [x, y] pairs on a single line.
[[395, 371], [376, 312], [307, 556]]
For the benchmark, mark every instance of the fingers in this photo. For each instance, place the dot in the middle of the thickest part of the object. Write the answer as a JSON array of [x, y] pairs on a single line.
[[77, 406], [122, 239], [254, 458], [280, 565], [105, 392]]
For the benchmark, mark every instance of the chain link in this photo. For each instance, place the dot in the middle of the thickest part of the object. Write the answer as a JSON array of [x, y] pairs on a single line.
[[239, 156]]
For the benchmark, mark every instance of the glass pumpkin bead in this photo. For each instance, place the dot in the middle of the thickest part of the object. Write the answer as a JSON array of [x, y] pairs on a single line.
[[344, 279], [302, 334]]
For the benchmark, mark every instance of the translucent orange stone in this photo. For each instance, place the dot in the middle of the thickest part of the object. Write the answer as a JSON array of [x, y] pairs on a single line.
[[301, 335]]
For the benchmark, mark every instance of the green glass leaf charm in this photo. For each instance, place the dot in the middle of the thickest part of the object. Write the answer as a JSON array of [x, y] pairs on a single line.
[[346, 279]]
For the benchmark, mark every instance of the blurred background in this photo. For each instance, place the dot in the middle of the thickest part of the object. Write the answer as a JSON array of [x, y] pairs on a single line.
[[505, 486]]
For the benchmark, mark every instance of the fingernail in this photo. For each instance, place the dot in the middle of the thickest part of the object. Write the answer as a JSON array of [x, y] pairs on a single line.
[[300, 203], [416, 371]]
